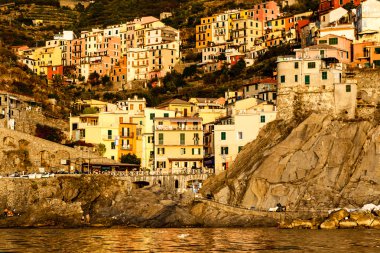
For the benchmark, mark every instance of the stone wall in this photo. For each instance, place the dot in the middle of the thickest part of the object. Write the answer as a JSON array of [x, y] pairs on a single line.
[[368, 93], [23, 152], [361, 102]]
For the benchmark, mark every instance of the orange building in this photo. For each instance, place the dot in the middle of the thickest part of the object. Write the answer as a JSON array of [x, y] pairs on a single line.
[[127, 138]]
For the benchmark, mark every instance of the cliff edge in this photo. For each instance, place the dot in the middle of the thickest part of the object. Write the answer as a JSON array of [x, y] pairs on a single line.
[[319, 164]]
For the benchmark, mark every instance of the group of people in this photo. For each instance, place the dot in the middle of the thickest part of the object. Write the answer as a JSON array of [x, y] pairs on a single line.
[[8, 213]]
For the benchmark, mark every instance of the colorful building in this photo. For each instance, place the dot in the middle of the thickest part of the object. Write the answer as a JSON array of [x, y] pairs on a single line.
[[178, 144]]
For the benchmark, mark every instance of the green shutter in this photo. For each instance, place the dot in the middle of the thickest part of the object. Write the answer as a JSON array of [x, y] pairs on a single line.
[[182, 139], [223, 136], [307, 79], [324, 75]]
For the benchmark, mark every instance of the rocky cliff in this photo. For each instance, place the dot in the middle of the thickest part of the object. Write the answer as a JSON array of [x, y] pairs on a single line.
[[321, 163], [99, 200]]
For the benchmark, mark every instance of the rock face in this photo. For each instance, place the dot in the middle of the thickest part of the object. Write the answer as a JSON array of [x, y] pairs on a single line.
[[96, 200], [320, 163], [100, 200]]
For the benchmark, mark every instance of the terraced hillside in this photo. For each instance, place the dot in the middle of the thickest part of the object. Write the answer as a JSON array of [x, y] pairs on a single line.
[[51, 15]]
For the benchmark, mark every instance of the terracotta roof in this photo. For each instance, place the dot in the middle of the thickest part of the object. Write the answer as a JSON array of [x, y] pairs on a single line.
[[173, 101], [264, 80]]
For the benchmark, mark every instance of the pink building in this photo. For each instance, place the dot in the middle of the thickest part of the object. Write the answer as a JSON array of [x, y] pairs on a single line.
[[326, 52], [75, 51], [266, 11], [338, 42]]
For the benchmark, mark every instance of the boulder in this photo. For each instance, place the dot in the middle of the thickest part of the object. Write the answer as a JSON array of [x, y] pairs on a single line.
[[362, 218], [375, 223], [302, 224], [349, 223], [339, 215], [285, 225], [329, 224]]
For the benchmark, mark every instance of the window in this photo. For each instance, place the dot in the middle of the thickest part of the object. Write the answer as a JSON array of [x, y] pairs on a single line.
[[262, 118], [224, 150], [223, 136], [152, 115], [240, 135], [311, 65], [160, 138], [196, 139], [377, 50], [296, 78], [240, 148], [161, 151], [182, 139], [348, 88], [282, 79], [195, 151], [333, 41], [296, 65], [324, 75], [307, 79], [247, 89], [166, 115], [183, 151], [113, 146], [321, 42], [109, 134]]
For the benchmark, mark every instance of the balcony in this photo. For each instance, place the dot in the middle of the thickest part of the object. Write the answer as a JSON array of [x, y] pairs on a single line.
[[127, 147], [171, 128], [286, 58], [128, 135], [109, 137]]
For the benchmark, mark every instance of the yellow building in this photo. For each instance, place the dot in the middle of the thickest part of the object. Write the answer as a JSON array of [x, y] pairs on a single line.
[[178, 144], [208, 109], [147, 142], [204, 32], [101, 128], [180, 107]]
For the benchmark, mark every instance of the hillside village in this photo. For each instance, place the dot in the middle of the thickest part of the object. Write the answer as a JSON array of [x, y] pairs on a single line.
[[183, 136]]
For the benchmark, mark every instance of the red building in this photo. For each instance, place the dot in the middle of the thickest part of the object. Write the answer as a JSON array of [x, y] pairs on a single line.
[[54, 70], [327, 5]]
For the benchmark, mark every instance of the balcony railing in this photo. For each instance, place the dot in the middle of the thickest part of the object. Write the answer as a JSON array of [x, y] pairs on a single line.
[[126, 135], [127, 147], [109, 137], [187, 128]]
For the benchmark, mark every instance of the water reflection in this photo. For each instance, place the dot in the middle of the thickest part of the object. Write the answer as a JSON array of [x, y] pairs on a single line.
[[188, 240]]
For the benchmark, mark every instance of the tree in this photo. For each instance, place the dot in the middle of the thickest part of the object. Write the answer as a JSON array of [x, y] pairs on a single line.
[[130, 158], [79, 7], [93, 78], [237, 68], [222, 57], [101, 149], [189, 71], [90, 110], [49, 133]]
